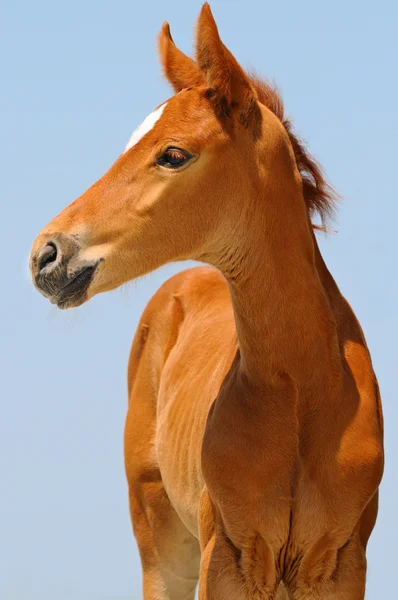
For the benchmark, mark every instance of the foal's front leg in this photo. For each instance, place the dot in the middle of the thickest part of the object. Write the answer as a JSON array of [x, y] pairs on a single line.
[[224, 576], [230, 573]]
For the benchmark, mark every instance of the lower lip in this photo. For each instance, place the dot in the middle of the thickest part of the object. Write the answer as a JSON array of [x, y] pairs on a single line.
[[74, 292]]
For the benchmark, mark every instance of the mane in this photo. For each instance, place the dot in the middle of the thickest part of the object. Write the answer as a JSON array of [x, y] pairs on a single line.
[[319, 196]]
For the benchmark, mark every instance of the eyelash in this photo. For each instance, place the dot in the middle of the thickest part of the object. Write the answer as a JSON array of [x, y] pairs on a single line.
[[164, 160]]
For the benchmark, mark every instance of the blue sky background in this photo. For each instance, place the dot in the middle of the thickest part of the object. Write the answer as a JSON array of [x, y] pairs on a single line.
[[77, 77]]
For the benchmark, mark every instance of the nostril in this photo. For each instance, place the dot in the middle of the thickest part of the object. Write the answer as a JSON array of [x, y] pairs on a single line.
[[48, 255]]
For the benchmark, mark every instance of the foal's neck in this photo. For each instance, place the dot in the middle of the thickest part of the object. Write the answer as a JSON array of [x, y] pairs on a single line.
[[283, 318]]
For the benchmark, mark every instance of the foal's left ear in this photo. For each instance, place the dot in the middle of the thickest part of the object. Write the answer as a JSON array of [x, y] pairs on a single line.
[[230, 88], [180, 70]]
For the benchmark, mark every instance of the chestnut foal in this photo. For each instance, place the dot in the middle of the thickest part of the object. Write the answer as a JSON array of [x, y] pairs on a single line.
[[253, 441]]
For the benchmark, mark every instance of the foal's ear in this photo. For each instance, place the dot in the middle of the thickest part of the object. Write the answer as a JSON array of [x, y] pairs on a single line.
[[180, 70], [230, 88]]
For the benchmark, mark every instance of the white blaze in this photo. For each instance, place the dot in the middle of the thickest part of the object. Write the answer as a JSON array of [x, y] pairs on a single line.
[[145, 126]]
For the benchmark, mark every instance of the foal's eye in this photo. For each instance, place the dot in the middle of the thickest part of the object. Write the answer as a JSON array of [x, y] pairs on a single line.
[[173, 158]]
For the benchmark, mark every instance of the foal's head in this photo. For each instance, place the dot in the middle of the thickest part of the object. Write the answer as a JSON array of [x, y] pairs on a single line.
[[215, 155]]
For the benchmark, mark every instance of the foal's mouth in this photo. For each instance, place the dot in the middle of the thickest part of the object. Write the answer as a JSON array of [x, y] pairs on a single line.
[[74, 292]]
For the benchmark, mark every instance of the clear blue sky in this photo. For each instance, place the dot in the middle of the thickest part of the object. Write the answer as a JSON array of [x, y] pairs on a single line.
[[77, 77]]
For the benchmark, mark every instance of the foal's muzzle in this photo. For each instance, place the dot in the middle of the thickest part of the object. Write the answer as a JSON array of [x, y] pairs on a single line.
[[58, 273]]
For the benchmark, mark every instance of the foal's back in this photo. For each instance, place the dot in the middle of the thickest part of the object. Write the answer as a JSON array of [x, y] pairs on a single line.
[[184, 345], [296, 481]]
